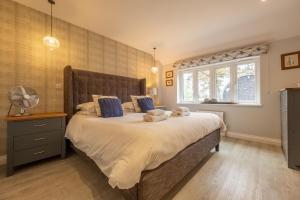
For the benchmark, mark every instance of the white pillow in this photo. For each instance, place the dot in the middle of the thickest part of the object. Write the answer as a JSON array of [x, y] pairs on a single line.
[[87, 107], [134, 99], [96, 102], [87, 113], [128, 107]]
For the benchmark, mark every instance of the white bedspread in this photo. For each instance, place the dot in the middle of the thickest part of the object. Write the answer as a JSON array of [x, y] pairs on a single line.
[[123, 147]]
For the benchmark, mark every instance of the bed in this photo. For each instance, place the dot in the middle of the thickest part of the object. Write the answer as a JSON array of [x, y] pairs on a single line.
[[156, 179]]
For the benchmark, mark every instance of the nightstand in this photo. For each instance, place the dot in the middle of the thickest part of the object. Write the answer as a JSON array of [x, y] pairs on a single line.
[[34, 137]]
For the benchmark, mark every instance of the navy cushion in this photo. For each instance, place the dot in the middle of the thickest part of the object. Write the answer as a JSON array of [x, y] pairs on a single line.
[[110, 107], [145, 104]]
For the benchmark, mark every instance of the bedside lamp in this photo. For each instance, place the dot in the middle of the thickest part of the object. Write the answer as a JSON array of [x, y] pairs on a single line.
[[153, 94], [153, 91]]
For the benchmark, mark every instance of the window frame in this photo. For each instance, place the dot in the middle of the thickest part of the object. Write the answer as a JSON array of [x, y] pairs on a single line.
[[180, 90], [233, 81], [257, 80], [215, 78], [197, 82]]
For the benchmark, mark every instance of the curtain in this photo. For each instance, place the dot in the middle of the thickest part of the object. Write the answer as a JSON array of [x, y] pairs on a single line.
[[254, 50]]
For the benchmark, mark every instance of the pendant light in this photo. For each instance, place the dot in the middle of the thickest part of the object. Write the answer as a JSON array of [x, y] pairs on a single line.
[[51, 42], [154, 69]]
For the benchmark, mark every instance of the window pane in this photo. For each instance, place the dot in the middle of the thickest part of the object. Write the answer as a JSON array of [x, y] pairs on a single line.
[[188, 86], [246, 83], [223, 84], [203, 84]]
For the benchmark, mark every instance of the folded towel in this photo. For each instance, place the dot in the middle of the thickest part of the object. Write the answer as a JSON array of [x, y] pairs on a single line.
[[152, 118], [182, 109], [156, 112], [180, 114]]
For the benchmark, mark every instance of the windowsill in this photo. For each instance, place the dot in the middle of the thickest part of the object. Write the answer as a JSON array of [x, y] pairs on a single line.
[[220, 104]]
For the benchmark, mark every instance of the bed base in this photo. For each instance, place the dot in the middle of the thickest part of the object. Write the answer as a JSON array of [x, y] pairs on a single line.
[[156, 184]]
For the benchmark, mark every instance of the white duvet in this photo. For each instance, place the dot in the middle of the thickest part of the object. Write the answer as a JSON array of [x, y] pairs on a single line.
[[123, 147]]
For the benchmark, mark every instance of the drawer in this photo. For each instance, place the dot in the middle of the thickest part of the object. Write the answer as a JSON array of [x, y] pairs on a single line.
[[36, 139], [33, 126], [37, 153]]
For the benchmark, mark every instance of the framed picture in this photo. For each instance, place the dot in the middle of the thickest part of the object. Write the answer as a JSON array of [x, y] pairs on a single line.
[[169, 74], [290, 60], [169, 82]]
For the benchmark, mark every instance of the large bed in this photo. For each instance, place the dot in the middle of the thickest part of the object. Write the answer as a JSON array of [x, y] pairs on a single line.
[[143, 160]]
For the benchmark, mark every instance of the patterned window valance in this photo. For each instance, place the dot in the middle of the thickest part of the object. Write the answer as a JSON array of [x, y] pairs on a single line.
[[249, 51]]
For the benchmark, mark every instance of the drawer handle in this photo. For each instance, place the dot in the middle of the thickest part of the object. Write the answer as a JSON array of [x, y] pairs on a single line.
[[39, 139], [40, 152], [40, 125]]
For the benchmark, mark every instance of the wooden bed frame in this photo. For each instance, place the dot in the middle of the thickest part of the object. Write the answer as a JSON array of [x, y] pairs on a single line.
[[79, 85]]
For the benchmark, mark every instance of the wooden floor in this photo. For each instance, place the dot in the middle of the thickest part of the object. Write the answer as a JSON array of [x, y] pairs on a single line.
[[241, 170]]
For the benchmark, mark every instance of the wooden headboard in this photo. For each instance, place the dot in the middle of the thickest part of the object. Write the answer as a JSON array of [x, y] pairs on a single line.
[[80, 85]]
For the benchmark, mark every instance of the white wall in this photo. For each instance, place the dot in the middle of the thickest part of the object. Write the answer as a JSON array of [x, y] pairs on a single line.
[[256, 120]]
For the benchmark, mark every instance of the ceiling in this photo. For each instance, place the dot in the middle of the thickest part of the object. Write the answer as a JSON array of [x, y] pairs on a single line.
[[181, 28]]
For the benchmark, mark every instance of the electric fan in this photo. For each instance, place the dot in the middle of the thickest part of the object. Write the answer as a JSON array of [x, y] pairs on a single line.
[[23, 98]]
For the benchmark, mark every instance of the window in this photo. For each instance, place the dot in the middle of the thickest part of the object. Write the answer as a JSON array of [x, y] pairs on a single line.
[[222, 84], [246, 83], [203, 84], [188, 86], [235, 81]]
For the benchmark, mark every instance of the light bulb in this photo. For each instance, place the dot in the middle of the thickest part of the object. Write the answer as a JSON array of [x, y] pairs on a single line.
[[154, 70], [51, 42]]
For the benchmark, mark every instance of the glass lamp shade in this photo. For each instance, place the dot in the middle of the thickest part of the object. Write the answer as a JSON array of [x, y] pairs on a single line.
[[51, 42], [154, 70]]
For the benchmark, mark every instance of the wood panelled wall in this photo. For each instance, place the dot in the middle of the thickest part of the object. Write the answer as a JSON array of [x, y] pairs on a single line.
[[25, 61]]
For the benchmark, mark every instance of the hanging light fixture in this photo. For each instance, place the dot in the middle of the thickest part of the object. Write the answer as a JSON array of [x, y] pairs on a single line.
[[154, 69], [51, 42]]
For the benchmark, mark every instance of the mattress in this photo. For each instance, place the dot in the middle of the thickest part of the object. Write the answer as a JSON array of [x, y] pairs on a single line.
[[123, 147]]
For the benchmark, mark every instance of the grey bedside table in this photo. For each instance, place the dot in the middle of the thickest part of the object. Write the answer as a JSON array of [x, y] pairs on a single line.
[[34, 137]]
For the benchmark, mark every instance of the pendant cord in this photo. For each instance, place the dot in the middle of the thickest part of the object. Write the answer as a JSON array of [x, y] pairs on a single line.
[[154, 56], [51, 19]]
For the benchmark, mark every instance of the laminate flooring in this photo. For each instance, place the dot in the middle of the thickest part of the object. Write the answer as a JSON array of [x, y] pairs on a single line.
[[242, 170]]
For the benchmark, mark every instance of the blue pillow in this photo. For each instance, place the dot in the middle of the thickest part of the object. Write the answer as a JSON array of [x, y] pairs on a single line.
[[145, 104], [110, 107]]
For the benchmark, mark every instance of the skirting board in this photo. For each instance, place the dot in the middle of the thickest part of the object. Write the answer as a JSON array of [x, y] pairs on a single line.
[[3, 160], [253, 138]]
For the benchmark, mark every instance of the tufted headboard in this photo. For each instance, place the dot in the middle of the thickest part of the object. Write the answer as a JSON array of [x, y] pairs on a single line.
[[79, 85]]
